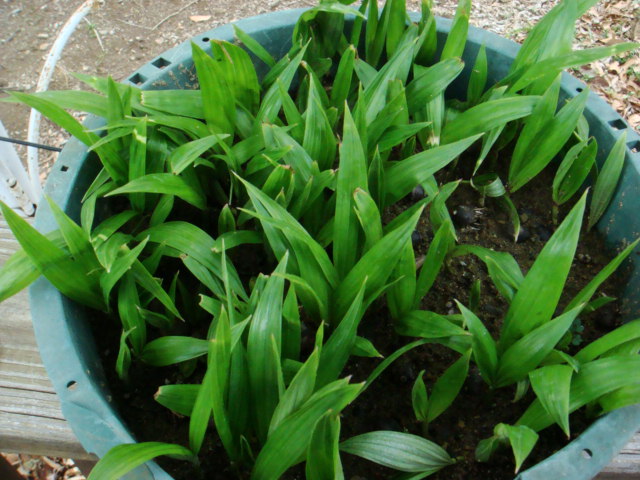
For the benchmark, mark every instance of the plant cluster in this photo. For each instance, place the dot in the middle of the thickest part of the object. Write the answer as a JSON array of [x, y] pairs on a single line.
[[301, 166]]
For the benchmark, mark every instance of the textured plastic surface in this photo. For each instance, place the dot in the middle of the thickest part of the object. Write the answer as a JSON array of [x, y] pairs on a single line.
[[66, 343]]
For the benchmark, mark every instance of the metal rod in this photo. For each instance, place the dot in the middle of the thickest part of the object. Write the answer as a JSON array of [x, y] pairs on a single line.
[[30, 144]]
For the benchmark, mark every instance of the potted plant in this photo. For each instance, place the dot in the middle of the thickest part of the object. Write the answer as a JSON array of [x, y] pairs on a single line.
[[316, 203]]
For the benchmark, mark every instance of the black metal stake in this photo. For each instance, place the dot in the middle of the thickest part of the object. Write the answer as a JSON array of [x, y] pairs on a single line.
[[30, 144]]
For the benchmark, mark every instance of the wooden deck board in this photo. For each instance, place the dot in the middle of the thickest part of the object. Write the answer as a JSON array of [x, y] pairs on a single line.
[[30, 417]]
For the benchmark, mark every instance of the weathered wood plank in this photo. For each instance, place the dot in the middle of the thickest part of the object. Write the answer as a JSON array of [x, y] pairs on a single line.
[[626, 466], [30, 417]]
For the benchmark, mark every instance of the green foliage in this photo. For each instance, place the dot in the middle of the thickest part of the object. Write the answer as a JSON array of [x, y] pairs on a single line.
[[520, 437], [400, 451], [255, 212]]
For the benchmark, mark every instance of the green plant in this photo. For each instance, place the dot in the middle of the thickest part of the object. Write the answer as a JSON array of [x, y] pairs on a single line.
[[315, 179]]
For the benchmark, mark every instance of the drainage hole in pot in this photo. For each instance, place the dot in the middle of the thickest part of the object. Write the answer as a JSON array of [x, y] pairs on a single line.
[[72, 385], [618, 124], [161, 63], [64, 168], [587, 454], [205, 39], [137, 79], [579, 89], [634, 146]]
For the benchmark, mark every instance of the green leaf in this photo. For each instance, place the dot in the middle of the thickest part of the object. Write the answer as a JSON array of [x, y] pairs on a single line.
[[54, 263], [217, 98], [130, 316], [439, 213], [431, 82], [542, 116], [573, 170], [434, 112], [285, 233], [123, 361], [344, 75], [400, 451], [478, 78], [297, 157], [375, 265], [352, 174], [365, 348], [420, 399], [442, 242], [337, 349], [75, 237], [620, 398], [323, 454], [183, 156], [527, 353], [401, 293], [265, 328], [538, 294], [79, 100], [484, 348], [111, 225], [178, 398], [319, 140], [398, 66], [524, 77], [486, 116], [595, 379], [187, 239], [173, 349], [185, 103], [607, 180], [552, 385], [403, 176], [299, 390], [382, 366], [122, 459], [426, 324], [288, 444], [548, 141], [447, 387], [108, 156], [213, 392], [396, 25], [457, 37], [138, 161], [120, 266], [271, 100], [585, 295], [150, 284], [503, 269], [226, 221], [627, 332], [253, 46], [369, 216], [18, 272], [398, 134], [393, 113], [521, 438], [165, 183]]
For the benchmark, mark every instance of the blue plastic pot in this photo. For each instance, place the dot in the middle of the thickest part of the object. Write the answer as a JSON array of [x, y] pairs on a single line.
[[62, 327]]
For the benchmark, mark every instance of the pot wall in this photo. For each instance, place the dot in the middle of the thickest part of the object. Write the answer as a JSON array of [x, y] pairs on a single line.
[[65, 340]]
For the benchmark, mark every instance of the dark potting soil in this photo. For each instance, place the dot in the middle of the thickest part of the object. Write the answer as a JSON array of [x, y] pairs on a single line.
[[386, 405]]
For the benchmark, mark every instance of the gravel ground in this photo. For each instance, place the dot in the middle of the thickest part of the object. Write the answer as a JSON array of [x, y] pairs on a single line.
[[120, 35]]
